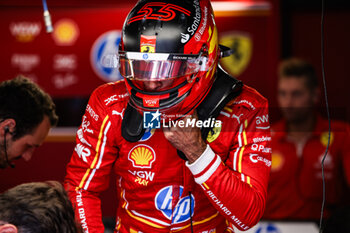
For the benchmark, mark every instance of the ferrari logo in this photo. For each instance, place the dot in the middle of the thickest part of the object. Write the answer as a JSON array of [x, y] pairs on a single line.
[[241, 44], [148, 44], [213, 134], [147, 49]]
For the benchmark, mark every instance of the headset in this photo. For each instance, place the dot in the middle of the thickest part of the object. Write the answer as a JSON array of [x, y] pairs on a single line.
[[7, 130]]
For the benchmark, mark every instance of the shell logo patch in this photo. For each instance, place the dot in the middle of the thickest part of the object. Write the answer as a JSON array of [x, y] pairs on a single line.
[[277, 162], [66, 32], [213, 134], [142, 156], [324, 139], [242, 47]]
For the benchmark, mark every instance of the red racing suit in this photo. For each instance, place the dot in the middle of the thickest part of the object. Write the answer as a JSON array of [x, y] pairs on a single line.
[[295, 186], [227, 184]]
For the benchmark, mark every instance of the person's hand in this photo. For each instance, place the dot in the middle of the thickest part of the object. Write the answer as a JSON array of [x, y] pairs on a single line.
[[186, 139]]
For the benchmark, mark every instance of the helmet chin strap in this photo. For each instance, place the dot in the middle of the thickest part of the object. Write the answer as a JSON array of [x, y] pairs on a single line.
[[224, 89], [5, 149], [132, 124]]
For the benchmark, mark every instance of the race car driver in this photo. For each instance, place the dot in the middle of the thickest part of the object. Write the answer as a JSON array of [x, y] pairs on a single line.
[[189, 144]]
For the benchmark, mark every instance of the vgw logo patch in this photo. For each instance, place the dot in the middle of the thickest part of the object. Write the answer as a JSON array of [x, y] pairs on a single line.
[[181, 212]]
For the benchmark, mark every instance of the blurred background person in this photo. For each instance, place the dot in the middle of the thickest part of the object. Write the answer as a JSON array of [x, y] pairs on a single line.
[[299, 143], [26, 115], [36, 208]]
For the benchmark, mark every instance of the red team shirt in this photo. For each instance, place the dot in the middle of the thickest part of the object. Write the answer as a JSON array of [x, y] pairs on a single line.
[[227, 183], [295, 186]]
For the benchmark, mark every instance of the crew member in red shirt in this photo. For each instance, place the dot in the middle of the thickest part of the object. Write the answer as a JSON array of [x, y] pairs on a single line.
[[299, 143], [190, 145]]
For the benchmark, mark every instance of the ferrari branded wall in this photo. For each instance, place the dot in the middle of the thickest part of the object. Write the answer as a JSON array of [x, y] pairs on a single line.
[[66, 62]]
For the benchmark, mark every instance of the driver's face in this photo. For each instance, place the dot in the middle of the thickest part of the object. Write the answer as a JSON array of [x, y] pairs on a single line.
[[155, 86]]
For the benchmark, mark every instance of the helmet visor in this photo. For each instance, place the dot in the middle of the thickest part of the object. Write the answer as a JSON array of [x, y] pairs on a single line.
[[158, 66]]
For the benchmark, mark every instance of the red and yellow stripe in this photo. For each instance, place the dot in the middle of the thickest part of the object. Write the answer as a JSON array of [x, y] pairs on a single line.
[[97, 155]]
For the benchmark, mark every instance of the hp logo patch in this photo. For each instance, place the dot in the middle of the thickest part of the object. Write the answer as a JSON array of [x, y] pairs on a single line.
[[181, 213], [268, 228], [145, 56], [106, 44], [151, 120]]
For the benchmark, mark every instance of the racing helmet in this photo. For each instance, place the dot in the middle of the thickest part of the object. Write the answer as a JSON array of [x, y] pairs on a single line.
[[168, 54]]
